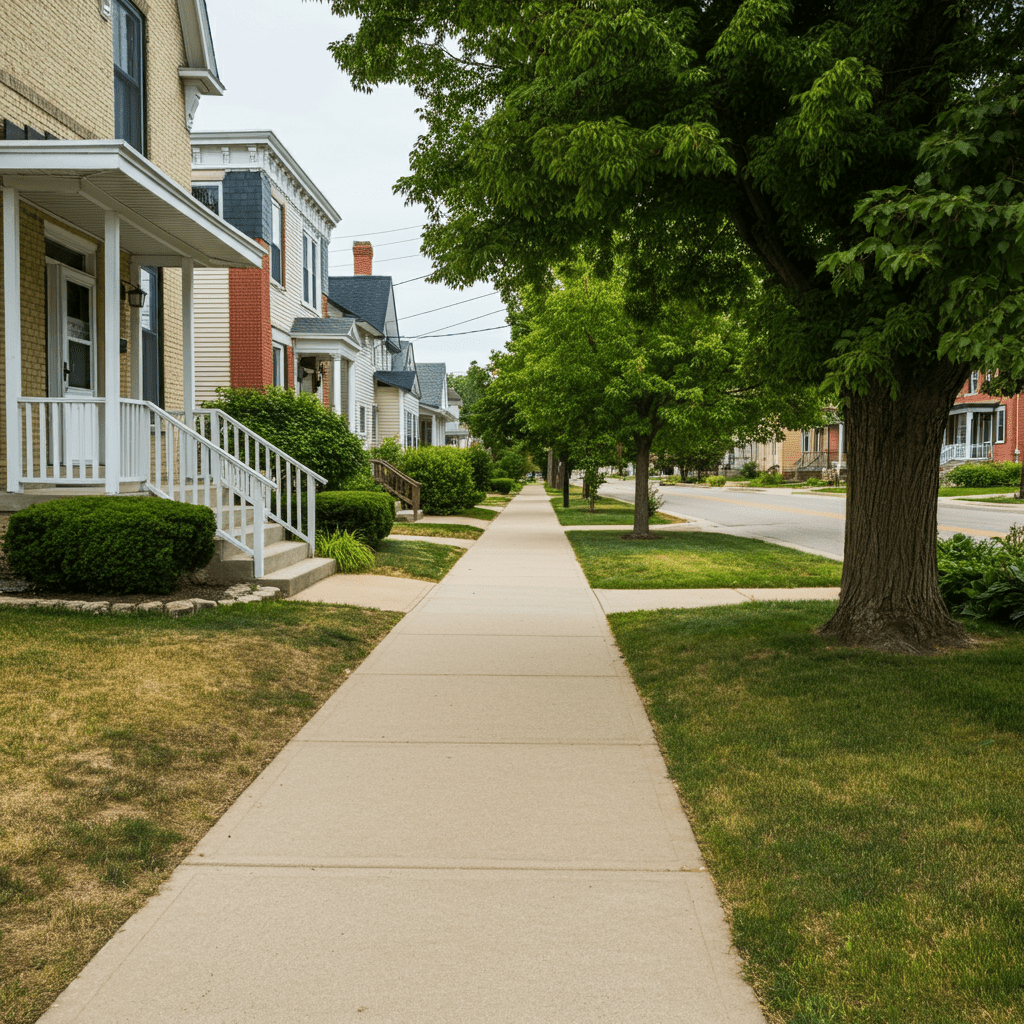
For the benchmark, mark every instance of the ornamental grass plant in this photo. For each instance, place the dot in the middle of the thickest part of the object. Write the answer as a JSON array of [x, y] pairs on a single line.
[[348, 549]]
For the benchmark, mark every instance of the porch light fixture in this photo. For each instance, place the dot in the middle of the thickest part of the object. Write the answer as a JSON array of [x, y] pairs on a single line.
[[135, 295]]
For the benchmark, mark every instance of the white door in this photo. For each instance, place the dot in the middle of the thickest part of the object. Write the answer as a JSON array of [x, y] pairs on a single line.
[[72, 369]]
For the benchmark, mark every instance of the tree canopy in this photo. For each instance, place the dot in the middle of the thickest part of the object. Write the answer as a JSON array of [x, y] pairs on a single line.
[[698, 140]]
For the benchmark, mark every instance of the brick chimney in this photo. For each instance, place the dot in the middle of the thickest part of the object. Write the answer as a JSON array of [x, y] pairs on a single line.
[[362, 257]]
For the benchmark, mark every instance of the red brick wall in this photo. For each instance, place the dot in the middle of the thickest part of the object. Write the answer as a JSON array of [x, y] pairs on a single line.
[[252, 357], [327, 386], [289, 369], [362, 257], [1014, 406]]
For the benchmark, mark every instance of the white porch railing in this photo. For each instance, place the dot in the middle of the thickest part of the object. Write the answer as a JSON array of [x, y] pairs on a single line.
[[62, 443], [295, 505], [965, 453]]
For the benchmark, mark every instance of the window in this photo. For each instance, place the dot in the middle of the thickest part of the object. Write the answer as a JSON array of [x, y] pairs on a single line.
[[276, 237], [208, 193], [278, 351], [375, 424], [152, 337], [410, 430], [972, 387], [310, 281], [362, 419], [1000, 425], [128, 75]]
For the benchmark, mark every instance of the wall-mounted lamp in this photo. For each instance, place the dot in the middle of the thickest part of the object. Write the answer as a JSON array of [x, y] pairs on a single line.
[[135, 295]]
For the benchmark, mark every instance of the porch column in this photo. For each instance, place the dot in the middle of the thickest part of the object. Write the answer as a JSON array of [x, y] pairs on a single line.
[[839, 458], [135, 337], [112, 351], [969, 420], [336, 386], [350, 386], [188, 374], [12, 334]]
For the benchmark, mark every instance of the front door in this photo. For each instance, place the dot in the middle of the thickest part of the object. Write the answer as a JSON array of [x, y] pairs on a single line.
[[71, 331]]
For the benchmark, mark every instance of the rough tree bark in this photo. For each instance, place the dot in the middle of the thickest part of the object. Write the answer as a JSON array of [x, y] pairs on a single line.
[[890, 596], [566, 473], [641, 514]]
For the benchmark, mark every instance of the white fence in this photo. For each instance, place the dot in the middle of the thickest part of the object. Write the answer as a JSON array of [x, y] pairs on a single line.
[[965, 453]]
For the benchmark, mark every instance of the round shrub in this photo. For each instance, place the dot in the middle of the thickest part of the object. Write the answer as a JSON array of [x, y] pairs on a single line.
[[300, 426], [715, 481], [110, 544], [502, 485], [371, 514], [444, 477], [480, 466]]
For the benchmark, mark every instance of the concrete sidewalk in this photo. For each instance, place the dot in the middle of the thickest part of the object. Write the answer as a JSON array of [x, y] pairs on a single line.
[[477, 828]]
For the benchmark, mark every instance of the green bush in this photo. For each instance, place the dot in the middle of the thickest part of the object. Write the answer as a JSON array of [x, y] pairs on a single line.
[[445, 479], [390, 451], [984, 474], [348, 550], [768, 479], [715, 481], [300, 426], [502, 485], [748, 470], [371, 515], [362, 481], [110, 544], [983, 578], [480, 465], [513, 464]]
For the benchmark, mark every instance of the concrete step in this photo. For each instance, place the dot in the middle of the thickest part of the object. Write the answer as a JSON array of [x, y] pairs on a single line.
[[273, 533], [297, 577]]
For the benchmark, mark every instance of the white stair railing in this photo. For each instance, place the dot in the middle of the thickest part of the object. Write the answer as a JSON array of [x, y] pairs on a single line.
[[173, 461], [62, 440], [295, 505]]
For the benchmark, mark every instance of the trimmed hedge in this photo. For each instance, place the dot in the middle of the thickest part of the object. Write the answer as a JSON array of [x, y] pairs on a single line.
[[502, 485], [444, 476], [480, 465], [715, 481], [110, 544], [372, 514], [984, 474]]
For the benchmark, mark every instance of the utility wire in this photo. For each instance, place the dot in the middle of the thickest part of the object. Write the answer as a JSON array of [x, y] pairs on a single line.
[[430, 337], [411, 279], [383, 245], [449, 306], [391, 259], [393, 231], [470, 320]]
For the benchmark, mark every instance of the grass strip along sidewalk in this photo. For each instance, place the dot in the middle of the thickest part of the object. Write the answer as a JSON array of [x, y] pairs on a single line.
[[607, 511], [122, 740], [696, 560], [415, 560], [436, 530], [862, 814]]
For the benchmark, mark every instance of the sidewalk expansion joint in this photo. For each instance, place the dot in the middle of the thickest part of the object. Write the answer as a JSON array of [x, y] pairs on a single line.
[[205, 862], [383, 741]]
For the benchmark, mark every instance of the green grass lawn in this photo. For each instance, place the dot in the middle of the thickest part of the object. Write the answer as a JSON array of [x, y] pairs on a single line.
[[415, 559], [944, 492], [1001, 499], [475, 512], [862, 814], [436, 530], [122, 740], [607, 511], [696, 560]]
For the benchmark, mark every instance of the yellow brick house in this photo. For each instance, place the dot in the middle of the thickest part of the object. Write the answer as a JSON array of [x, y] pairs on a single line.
[[100, 238]]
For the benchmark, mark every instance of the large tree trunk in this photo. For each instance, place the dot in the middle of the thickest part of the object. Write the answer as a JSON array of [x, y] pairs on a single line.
[[566, 473], [641, 514], [890, 596]]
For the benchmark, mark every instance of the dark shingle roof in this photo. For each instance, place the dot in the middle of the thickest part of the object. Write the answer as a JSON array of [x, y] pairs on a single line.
[[431, 377], [453, 396], [331, 326], [404, 379], [365, 295]]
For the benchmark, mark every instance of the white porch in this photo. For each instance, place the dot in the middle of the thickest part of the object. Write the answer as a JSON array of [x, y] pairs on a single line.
[[331, 343], [970, 433], [112, 195]]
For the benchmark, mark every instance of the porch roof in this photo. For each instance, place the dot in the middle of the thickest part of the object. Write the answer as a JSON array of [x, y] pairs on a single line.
[[77, 181]]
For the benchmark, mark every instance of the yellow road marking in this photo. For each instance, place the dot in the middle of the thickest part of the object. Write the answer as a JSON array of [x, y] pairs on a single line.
[[834, 515]]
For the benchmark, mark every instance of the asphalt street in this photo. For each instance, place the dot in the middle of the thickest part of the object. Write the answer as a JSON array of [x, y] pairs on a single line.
[[807, 522]]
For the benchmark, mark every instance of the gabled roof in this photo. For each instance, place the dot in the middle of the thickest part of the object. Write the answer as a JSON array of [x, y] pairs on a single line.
[[367, 296], [431, 377], [404, 379], [328, 326]]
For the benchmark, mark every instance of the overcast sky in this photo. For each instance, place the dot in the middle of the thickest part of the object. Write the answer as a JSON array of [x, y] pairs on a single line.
[[272, 57]]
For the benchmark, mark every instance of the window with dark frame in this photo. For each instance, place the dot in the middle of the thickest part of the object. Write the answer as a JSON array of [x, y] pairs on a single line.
[[129, 75], [208, 195], [276, 240], [310, 289]]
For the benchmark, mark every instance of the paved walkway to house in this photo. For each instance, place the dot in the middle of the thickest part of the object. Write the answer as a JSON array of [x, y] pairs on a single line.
[[477, 828]]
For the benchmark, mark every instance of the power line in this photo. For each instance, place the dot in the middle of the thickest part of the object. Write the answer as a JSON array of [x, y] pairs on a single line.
[[411, 279], [449, 306], [430, 337], [470, 320], [391, 259], [393, 231], [383, 245]]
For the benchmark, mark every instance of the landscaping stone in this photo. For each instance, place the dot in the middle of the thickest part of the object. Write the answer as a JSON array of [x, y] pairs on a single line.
[[267, 592], [239, 590], [151, 606], [200, 602], [230, 600], [122, 609], [96, 607], [176, 609], [249, 599]]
